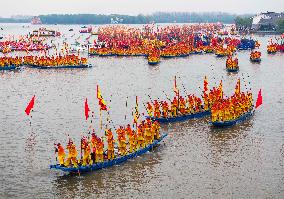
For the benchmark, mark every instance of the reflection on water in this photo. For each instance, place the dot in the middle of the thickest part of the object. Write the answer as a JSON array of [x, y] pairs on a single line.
[[132, 172], [194, 161]]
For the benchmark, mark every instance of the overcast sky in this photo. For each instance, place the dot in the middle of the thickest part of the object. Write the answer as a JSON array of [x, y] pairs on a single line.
[[133, 7]]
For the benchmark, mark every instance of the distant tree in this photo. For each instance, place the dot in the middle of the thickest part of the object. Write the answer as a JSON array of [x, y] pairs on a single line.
[[280, 26], [243, 23]]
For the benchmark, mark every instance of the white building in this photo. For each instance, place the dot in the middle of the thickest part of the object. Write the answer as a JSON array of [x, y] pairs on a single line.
[[266, 21]]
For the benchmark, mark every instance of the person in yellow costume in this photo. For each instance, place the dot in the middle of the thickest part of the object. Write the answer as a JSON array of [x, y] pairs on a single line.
[[157, 130], [100, 151], [110, 142], [149, 109], [61, 153], [87, 159], [122, 145], [72, 156], [140, 138], [148, 134], [132, 142]]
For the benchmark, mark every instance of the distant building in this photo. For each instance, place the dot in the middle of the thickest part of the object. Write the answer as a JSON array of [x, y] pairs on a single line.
[[36, 21], [266, 21]]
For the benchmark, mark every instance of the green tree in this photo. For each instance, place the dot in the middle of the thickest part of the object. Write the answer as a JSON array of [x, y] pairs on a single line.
[[280, 26]]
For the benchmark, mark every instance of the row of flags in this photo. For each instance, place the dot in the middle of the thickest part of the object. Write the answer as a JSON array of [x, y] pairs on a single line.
[[136, 115]]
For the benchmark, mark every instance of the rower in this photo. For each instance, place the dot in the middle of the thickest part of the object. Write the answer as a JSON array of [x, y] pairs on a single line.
[[110, 143], [140, 138], [100, 150], [61, 154], [149, 109], [157, 112], [174, 106], [72, 156], [132, 141], [165, 108], [87, 159]]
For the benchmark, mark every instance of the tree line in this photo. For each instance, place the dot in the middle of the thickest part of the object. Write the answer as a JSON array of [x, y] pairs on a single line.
[[158, 17]]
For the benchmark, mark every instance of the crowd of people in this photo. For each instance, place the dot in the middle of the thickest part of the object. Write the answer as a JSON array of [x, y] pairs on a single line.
[[57, 60], [231, 63], [255, 55], [170, 40], [95, 149], [10, 61], [24, 43], [232, 107]]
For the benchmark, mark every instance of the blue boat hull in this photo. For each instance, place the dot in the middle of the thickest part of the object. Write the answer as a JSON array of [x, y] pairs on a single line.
[[60, 67], [232, 70], [8, 68], [180, 118], [255, 60], [220, 55], [233, 122], [153, 63], [105, 164]]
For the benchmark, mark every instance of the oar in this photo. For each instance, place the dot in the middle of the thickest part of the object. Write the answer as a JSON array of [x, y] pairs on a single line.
[[183, 86]]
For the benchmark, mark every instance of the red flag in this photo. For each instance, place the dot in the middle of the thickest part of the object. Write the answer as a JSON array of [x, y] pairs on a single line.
[[86, 109], [30, 105], [259, 99], [205, 84]]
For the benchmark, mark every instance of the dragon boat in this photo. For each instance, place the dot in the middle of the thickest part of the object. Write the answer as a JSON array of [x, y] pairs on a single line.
[[243, 117], [108, 163]]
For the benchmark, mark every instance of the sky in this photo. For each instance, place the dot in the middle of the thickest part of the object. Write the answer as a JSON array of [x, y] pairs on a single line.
[[134, 7]]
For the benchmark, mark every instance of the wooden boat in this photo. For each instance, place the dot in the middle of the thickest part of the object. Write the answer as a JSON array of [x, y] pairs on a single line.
[[8, 67], [108, 163], [180, 118], [235, 121], [60, 67]]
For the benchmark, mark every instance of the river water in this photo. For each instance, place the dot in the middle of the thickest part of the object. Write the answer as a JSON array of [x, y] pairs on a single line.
[[194, 161]]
